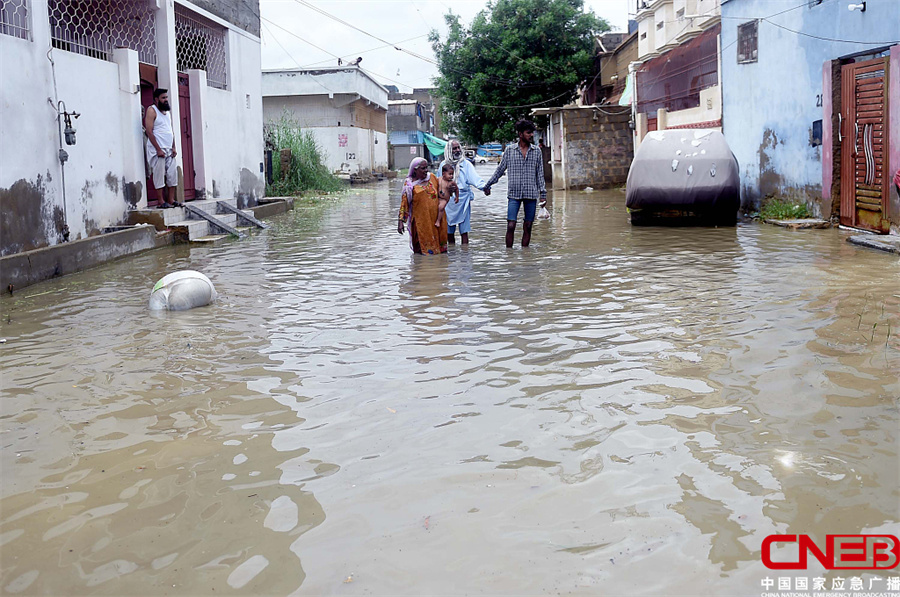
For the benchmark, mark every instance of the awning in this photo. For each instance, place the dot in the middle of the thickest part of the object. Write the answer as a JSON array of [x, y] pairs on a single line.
[[435, 146]]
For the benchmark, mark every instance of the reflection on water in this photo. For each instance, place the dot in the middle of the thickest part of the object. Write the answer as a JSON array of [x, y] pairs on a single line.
[[350, 418]]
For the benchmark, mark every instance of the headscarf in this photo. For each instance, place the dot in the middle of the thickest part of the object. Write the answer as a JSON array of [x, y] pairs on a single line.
[[411, 182], [456, 163]]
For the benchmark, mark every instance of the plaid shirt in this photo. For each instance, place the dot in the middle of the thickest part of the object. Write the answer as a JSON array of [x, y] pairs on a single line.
[[526, 174]]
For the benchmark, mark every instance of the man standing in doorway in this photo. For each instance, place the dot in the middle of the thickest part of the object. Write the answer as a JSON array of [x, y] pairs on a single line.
[[161, 148], [526, 181]]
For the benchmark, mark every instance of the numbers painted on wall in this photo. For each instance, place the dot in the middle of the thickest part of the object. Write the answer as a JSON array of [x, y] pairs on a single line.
[[819, 100], [351, 156]]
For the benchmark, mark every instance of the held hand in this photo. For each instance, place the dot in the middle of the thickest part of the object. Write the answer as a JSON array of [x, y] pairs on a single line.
[[160, 153], [457, 199], [174, 152], [486, 191], [400, 227]]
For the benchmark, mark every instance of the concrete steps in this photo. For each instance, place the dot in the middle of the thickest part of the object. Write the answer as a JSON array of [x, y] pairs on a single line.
[[186, 225]]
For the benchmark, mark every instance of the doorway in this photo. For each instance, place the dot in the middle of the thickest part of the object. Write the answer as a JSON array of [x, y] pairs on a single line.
[[148, 86], [865, 182]]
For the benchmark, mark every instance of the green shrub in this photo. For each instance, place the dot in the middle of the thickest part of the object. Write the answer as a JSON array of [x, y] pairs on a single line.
[[776, 208], [308, 170]]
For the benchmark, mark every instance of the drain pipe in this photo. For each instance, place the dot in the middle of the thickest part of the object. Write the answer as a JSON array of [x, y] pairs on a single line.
[[61, 114]]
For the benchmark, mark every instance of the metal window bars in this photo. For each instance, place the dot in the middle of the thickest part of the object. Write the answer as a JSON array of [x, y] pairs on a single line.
[[14, 18], [200, 44], [96, 27]]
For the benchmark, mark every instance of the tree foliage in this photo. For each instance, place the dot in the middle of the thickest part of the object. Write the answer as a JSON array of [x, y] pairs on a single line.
[[516, 53]]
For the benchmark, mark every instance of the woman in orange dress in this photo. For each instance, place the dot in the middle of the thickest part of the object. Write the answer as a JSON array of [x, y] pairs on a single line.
[[419, 211]]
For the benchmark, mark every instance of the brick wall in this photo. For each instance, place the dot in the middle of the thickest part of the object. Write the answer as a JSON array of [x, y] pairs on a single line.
[[598, 152]]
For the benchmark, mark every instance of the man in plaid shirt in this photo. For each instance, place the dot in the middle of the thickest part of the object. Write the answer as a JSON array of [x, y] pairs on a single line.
[[526, 181]]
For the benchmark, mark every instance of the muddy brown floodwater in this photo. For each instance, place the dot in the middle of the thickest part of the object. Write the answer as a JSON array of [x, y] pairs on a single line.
[[613, 410]]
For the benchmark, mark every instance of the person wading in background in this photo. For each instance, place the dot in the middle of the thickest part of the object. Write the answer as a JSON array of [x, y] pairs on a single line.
[[460, 213], [161, 148], [526, 181]]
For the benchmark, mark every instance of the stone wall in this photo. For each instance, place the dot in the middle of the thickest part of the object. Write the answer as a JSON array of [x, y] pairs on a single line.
[[598, 147], [241, 13]]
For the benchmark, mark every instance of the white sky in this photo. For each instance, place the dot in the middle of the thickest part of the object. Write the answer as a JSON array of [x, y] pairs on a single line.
[[396, 21]]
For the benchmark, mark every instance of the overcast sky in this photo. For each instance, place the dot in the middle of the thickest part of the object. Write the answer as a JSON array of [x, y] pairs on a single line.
[[291, 32]]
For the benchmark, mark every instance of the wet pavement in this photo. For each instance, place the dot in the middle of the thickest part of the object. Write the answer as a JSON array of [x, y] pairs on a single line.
[[610, 411]]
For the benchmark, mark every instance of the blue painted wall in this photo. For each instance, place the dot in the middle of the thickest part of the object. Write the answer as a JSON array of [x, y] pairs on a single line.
[[769, 106]]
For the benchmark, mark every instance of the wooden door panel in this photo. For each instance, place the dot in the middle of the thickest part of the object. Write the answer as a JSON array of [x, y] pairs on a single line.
[[187, 143], [863, 114]]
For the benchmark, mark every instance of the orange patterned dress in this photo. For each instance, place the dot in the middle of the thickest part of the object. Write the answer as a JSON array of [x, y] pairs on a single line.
[[424, 237]]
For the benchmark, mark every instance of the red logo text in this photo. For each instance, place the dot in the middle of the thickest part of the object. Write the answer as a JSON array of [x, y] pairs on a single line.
[[842, 552]]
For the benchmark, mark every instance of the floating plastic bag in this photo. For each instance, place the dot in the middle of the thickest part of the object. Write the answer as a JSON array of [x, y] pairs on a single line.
[[543, 214], [180, 291]]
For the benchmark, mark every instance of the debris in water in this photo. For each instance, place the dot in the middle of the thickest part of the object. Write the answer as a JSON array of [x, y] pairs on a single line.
[[390, 409], [674, 165], [349, 579]]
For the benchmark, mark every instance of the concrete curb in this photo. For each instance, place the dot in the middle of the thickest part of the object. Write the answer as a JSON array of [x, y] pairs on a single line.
[[889, 244], [801, 224], [272, 206], [24, 269]]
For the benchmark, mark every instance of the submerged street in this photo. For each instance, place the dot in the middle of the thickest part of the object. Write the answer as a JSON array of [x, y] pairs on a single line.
[[612, 410]]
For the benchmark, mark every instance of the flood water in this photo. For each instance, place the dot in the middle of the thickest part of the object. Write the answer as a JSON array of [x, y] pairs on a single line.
[[609, 411]]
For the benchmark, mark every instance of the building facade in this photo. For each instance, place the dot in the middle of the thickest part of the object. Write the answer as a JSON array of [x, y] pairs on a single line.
[[408, 121], [677, 78], [812, 106], [344, 107], [615, 52], [101, 60]]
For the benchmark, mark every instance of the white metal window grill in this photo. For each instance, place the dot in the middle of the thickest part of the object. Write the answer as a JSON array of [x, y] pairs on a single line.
[[200, 44], [96, 27], [14, 18]]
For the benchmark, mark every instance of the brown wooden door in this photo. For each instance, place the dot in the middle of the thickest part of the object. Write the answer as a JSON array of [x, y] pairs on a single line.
[[864, 122], [187, 144]]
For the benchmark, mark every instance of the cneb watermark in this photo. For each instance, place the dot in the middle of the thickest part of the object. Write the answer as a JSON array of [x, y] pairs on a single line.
[[842, 552]]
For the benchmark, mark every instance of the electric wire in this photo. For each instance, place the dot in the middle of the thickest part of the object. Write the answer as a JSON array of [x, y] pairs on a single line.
[[831, 39], [275, 39], [415, 54], [298, 37], [359, 53]]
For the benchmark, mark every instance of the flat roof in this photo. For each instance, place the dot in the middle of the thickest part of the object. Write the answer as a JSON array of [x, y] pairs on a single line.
[[327, 70]]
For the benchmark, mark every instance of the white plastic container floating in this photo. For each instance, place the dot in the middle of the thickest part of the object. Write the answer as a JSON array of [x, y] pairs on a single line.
[[180, 291]]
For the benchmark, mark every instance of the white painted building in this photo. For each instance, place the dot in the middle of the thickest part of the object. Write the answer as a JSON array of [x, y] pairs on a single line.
[[344, 107], [102, 59], [678, 64]]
